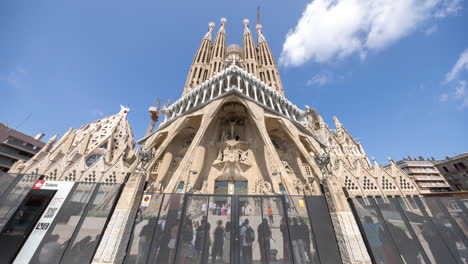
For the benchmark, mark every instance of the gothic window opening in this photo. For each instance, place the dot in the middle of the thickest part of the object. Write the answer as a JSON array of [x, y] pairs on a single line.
[[92, 159], [180, 187]]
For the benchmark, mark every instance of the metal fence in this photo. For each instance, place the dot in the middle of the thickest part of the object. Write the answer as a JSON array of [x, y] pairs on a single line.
[[33, 229], [191, 228], [414, 229]]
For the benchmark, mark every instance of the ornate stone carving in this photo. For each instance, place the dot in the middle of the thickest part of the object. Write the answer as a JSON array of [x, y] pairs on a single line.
[[262, 187]]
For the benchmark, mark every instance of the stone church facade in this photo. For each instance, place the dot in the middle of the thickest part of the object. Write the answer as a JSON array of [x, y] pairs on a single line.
[[232, 132]]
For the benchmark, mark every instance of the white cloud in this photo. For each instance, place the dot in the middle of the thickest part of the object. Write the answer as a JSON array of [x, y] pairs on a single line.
[[319, 79], [443, 97], [13, 77], [459, 93], [339, 28], [464, 103], [460, 89], [98, 113], [431, 30], [461, 64]]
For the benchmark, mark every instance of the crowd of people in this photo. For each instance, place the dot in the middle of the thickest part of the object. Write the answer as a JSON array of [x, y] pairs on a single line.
[[206, 238]]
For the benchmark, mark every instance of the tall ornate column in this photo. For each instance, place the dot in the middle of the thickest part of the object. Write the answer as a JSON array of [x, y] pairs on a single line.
[[350, 241], [113, 245]]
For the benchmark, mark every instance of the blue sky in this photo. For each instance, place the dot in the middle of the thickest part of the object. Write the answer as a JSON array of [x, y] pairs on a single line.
[[394, 72]]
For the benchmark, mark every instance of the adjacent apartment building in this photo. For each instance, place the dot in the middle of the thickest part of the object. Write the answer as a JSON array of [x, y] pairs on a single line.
[[455, 171], [425, 174], [15, 146]]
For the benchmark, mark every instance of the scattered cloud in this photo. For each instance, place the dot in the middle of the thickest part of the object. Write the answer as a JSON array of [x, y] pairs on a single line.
[[319, 79], [13, 77], [460, 89], [443, 97], [464, 103], [431, 30], [452, 78], [330, 29], [461, 64], [98, 113]]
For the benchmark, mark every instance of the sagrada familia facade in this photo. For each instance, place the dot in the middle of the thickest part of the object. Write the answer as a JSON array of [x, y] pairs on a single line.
[[232, 131]]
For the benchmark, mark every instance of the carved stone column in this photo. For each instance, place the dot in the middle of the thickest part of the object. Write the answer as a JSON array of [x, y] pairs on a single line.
[[116, 237], [350, 241], [113, 245]]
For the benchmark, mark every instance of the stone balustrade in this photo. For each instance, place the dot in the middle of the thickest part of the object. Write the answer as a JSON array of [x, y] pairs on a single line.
[[233, 80]]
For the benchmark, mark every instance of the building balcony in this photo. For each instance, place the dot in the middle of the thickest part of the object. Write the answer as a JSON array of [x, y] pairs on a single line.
[[428, 178], [433, 185], [423, 171]]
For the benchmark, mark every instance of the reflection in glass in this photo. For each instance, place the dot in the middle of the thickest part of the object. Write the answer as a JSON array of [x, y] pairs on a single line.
[[250, 219], [300, 231], [11, 200], [381, 243], [5, 180], [195, 243], [429, 238], [219, 218], [143, 229], [275, 235], [163, 246], [406, 244], [455, 209], [81, 250], [58, 236], [452, 237]]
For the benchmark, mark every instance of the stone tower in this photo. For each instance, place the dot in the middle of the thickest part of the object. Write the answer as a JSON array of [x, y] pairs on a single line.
[[233, 131]]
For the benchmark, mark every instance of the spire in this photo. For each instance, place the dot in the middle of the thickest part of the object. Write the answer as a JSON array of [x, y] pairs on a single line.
[[249, 51], [219, 48], [268, 71], [200, 66]]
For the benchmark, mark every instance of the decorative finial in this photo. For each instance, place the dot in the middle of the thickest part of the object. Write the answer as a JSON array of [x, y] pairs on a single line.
[[246, 22], [223, 20], [259, 27], [211, 25]]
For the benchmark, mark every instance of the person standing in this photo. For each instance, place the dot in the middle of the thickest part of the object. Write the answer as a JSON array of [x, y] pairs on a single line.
[[264, 236], [270, 215], [227, 243], [305, 232], [247, 238], [297, 243], [217, 249]]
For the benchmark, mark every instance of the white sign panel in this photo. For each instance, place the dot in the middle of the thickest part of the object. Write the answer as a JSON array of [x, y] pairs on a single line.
[[146, 200], [39, 231]]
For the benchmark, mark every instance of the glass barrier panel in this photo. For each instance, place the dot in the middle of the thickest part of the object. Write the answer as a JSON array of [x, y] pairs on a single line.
[[83, 246], [144, 228], [219, 218], [380, 241], [457, 211], [250, 216], [273, 235], [453, 238], [13, 197], [52, 246], [194, 242], [6, 179], [405, 242], [163, 245], [435, 249], [322, 229]]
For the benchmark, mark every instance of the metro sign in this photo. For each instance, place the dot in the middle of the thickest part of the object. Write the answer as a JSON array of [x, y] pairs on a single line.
[[38, 184]]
